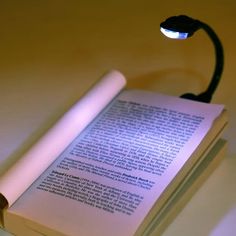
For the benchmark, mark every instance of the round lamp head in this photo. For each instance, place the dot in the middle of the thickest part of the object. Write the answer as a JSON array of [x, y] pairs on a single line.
[[179, 27]]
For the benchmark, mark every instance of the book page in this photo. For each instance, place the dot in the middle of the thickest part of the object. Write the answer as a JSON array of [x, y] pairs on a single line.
[[18, 178], [109, 178]]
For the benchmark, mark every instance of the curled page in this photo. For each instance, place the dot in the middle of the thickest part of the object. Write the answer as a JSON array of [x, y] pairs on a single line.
[[28, 168]]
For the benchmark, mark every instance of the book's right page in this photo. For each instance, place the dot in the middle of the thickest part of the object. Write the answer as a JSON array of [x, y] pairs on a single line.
[[110, 177]]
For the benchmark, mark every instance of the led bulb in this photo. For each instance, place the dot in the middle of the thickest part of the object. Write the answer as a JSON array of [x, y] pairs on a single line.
[[173, 34]]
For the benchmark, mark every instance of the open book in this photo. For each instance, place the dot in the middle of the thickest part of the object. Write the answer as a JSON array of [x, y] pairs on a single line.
[[112, 165]]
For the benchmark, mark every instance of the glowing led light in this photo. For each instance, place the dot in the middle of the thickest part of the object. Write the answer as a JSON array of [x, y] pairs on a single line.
[[173, 34]]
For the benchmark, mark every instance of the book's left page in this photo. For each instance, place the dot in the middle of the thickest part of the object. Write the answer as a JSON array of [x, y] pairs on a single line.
[[25, 171]]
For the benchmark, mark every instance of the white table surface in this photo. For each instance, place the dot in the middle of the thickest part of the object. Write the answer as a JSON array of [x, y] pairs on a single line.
[[52, 51]]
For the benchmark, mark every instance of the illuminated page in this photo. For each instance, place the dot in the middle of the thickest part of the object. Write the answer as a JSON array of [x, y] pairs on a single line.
[[47, 149], [109, 178]]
